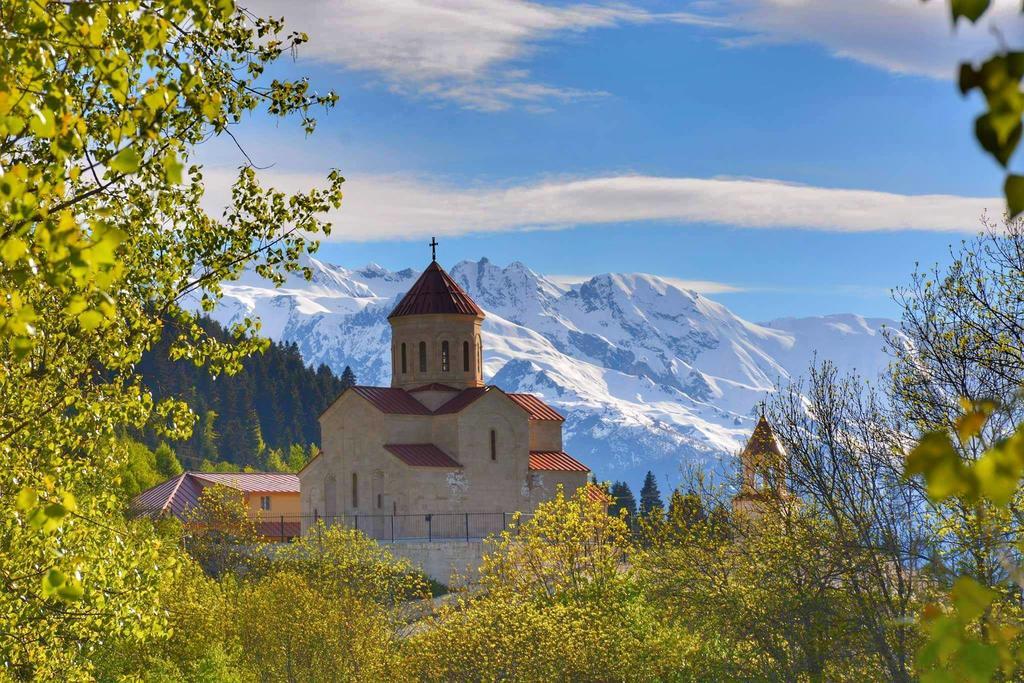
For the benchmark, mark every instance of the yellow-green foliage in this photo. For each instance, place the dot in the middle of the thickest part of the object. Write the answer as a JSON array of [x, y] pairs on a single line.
[[557, 602]]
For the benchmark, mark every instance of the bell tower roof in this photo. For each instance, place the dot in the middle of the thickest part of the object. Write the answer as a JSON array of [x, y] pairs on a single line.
[[436, 292], [763, 445]]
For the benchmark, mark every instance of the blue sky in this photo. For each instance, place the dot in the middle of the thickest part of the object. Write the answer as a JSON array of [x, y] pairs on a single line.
[[587, 138]]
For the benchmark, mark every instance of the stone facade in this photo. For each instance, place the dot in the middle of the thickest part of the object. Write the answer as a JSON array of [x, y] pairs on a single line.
[[437, 441]]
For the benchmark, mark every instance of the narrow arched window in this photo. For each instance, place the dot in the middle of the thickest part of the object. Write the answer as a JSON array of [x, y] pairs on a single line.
[[423, 356], [444, 357], [494, 445], [465, 356], [405, 367], [355, 490]]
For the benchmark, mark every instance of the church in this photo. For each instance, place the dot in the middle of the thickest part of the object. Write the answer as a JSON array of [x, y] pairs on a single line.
[[437, 441]]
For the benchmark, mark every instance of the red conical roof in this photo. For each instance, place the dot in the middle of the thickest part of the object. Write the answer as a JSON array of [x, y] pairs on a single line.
[[436, 292]]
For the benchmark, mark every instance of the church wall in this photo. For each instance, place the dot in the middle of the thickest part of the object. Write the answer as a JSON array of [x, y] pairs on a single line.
[[545, 435], [545, 484], [498, 485], [433, 330]]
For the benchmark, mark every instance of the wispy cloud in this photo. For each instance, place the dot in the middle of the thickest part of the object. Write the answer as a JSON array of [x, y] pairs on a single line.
[[902, 36], [399, 207], [465, 51]]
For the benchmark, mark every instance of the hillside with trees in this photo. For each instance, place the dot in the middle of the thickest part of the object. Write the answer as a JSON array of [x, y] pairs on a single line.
[[271, 403]]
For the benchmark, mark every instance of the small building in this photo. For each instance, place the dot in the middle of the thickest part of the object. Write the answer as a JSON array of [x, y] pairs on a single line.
[[272, 498], [437, 444]]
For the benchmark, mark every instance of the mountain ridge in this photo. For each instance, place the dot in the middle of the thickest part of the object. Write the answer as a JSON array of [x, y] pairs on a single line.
[[648, 374]]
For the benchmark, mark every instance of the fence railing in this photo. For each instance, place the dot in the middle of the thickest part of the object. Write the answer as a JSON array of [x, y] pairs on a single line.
[[437, 526]]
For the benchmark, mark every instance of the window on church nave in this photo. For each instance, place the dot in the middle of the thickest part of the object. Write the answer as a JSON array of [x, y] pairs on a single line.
[[444, 357], [494, 445], [355, 490], [465, 356], [423, 356], [404, 366]]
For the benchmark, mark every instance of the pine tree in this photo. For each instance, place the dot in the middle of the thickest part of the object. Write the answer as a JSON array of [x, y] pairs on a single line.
[[167, 463], [624, 500], [348, 378], [208, 437], [650, 496], [275, 463]]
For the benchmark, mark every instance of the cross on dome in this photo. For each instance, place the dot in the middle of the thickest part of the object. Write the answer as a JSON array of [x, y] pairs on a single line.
[[433, 248]]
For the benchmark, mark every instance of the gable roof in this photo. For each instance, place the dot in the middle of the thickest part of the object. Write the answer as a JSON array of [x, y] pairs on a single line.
[[462, 400], [433, 386], [181, 493], [435, 292], [555, 461], [536, 408], [421, 455], [392, 400]]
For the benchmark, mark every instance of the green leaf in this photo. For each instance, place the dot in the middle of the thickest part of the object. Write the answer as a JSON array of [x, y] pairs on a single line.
[[970, 9], [126, 161], [90, 320], [944, 472], [14, 248], [52, 582], [172, 169], [42, 124], [27, 499], [971, 598], [71, 590], [1014, 189]]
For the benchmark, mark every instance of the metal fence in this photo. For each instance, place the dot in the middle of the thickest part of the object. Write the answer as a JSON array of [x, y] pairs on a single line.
[[443, 526]]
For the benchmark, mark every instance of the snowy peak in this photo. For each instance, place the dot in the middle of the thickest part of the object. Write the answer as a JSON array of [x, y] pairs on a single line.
[[650, 375]]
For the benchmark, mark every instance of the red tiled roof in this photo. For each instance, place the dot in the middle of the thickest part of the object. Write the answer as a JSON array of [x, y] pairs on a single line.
[[180, 494], [433, 387], [392, 400], [435, 292], [555, 461], [538, 409], [597, 494], [462, 400], [421, 455]]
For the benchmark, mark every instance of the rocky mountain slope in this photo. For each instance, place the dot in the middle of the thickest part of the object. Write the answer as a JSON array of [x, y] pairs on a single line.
[[648, 375]]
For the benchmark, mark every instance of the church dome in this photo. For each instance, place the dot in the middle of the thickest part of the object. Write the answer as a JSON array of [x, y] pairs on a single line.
[[436, 292]]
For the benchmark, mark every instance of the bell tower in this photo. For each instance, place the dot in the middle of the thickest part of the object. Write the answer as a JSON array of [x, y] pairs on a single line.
[[763, 470], [435, 333]]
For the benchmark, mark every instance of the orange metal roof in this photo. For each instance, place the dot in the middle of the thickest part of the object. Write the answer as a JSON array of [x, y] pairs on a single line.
[[555, 461], [597, 494], [461, 400], [391, 400], [421, 455], [538, 409], [436, 292], [434, 386]]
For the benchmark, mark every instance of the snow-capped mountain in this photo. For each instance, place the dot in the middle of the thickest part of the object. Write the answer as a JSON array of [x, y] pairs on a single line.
[[648, 375]]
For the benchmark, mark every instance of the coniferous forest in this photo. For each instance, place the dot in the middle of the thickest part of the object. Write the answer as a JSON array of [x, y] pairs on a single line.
[[271, 404]]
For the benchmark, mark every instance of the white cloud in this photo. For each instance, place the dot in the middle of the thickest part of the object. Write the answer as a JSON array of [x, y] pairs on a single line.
[[902, 36], [456, 50], [398, 207]]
